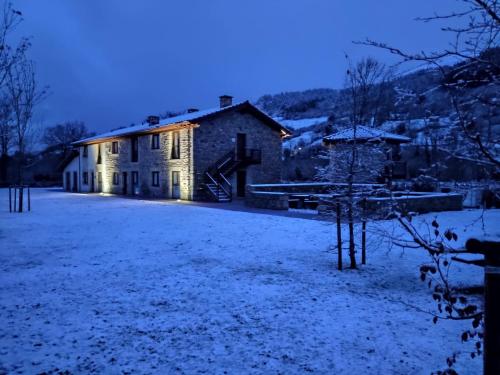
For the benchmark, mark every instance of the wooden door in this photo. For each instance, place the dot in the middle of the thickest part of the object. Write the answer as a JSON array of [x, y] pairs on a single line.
[[135, 182], [241, 182], [176, 186], [99, 182], [67, 181], [241, 144], [125, 184]]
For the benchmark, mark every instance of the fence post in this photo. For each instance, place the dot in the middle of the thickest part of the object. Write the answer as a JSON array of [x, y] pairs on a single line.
[[339, 237], [491, 345], [29, 199], [10, 199], [15, 198], [21, 194], [363, 234]]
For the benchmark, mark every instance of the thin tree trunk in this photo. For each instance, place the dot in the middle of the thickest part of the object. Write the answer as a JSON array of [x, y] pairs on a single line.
[[350, 207]]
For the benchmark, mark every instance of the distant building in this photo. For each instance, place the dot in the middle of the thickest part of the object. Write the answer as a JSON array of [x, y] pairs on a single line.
[[367, 137], [201, 155]]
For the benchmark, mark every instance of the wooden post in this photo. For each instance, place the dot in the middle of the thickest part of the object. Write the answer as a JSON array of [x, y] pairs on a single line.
[[10, 199], [21, 193], [29, 199], [363, 241], [15, 198], [339, 237], [491, 345], [363, 234]]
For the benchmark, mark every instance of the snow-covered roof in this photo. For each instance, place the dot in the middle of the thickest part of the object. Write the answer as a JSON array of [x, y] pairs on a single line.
[[365, 134], [176, 120]]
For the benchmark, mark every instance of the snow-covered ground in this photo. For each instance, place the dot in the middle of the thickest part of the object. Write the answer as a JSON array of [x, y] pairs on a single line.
[[112, 285]]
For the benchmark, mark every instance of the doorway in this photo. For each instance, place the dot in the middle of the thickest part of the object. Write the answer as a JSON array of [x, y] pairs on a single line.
[[68, 181], [92, 182], [75, 181], [99, 182], [176, 187], [125, 184], [241, 144], [241, 182]]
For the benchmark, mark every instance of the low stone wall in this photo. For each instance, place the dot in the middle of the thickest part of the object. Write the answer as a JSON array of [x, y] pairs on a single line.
[[276, 196], [308, 188], [267, 200], [417, 202]]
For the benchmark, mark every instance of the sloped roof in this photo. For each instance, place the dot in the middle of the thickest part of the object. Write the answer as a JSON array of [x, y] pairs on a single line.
[[365, 134], [192, 117], [67, 159]]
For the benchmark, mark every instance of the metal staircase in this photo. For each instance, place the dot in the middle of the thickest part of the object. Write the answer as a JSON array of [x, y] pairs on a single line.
[[217, 176]]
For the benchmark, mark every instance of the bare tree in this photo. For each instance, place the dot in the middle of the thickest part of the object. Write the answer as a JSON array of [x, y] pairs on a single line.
[[23, 94], [366, 85], [472, 82], [352, 162], [6, 137], [10, 19], [472, 86], [62, 135]]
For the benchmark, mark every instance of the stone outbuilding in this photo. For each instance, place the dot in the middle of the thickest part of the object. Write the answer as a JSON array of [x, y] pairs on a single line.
[[375, 147], [200, 155]]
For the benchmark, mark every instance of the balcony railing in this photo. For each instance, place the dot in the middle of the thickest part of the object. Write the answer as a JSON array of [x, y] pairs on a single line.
[[250, 155]]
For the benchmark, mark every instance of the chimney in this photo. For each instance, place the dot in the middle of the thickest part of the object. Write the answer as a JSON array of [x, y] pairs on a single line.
[[225, 101], [191, 110], [153, 120]]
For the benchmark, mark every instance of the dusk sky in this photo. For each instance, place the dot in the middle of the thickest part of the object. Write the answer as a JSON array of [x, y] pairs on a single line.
[[111, 63]]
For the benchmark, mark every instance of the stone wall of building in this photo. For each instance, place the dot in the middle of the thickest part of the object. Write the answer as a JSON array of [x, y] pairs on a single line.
[[149, 160], [216, 137]]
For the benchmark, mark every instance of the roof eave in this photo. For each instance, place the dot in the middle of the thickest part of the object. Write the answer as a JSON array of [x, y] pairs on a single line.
[[159, 129]]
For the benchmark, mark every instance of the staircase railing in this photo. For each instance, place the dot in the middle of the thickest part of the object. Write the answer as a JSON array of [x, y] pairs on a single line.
[[226, 186], [223, 184], [227, 164]]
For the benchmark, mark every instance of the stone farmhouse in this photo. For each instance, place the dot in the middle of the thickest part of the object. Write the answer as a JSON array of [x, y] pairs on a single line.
[[201, 155]]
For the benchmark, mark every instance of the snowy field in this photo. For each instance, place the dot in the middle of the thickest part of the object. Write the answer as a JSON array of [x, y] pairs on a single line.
[[112, 285]]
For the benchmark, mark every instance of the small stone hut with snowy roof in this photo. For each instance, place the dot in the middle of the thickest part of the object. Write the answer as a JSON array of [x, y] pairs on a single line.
[[201, 155], [368, 137]]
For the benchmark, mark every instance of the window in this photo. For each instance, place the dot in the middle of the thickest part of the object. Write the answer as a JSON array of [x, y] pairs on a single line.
[[155, 141], [99, 177], [99, 159], [135, 178], [114, 147], [134, 142], [176, 145], [85, 151], [85, 178], [116, 178], [156, 178]]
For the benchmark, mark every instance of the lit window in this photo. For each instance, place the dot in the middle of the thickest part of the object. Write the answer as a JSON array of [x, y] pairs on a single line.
[[99, 158], [156, 178], [176, 146]]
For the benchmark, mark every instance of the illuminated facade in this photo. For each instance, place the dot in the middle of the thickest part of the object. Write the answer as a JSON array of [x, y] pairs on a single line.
[[201, 155]]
